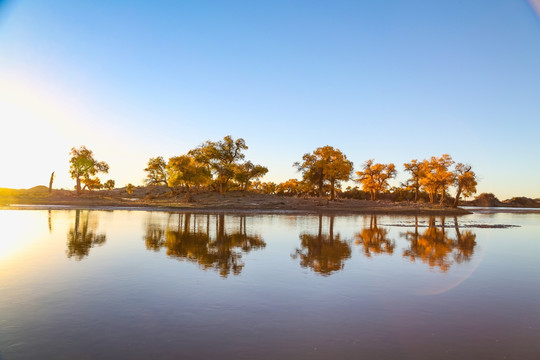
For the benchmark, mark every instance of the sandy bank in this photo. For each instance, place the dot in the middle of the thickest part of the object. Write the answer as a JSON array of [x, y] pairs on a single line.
[[234, 202]]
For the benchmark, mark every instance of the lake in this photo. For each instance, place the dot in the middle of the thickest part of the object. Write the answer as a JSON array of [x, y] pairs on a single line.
[[82, 284]]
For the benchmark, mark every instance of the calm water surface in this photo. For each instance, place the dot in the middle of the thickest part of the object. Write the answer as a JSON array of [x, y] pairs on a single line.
[[132, 284]]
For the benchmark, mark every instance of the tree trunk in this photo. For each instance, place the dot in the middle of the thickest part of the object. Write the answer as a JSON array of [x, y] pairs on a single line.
[[332, 192], [188, 197], [78, 185], [373, 195], [51, 182], [458, 194], [415, 194], [443, 192], [331, 229]]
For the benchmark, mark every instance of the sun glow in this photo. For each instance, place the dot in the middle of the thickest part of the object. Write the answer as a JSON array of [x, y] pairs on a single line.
[[37, 131], [17, 236]]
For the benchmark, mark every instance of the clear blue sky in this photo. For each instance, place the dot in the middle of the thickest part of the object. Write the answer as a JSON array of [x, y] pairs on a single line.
[[389, 80]]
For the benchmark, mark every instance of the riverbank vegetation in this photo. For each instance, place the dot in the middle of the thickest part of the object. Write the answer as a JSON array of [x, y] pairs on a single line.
[[221, 167]]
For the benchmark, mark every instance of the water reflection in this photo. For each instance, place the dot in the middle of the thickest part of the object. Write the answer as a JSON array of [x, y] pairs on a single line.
[[323, 253], [82, 236], [375, 239], [205, 240], [49, 221], [436, 245], [219, 242], [436, 248]]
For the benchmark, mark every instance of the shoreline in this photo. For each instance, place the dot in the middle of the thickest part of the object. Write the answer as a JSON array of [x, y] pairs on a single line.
[[239, 202], [393, 209]]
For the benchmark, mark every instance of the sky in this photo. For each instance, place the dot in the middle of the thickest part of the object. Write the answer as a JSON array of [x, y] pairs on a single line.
[[384, 80]]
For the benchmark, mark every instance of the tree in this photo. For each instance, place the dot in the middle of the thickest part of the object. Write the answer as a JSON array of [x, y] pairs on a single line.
[[290, 187], [83, 167], [247, 172], [325, 164], [312, 171], [109, 184], [93, 184], [374, 177], [130, 188], [437, 176], [265, 187], [185, 170], [156, 170], [336, 167], [416, 170], [51, 182], [221, 157], [465, 181]]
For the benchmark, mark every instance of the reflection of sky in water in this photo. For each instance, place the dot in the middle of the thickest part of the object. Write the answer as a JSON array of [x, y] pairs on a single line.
[[279, 285]]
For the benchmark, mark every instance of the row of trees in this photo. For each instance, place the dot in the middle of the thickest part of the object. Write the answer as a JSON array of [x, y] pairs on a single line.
[[221, 166], [326, 167]]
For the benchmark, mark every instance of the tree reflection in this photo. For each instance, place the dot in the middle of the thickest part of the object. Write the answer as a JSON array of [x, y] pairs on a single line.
[[154, 237], [466, 242], [49, 221], [375, 239], [436, 248], [192, 238], [323, 253], [82, 236]]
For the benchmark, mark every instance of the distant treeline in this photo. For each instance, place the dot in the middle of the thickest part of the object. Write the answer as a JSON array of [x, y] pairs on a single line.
[[221, 166]]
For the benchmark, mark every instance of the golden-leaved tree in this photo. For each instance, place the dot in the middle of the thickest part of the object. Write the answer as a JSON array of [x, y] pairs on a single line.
[[247, 172], [156, 172], [374, 177], [437, 176], [325, 164], [185, 171], [416, 171], [465, 181], [222, 158]]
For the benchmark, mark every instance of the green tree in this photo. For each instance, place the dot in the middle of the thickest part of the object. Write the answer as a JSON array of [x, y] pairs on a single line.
[[374, 177], [83, 167]]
